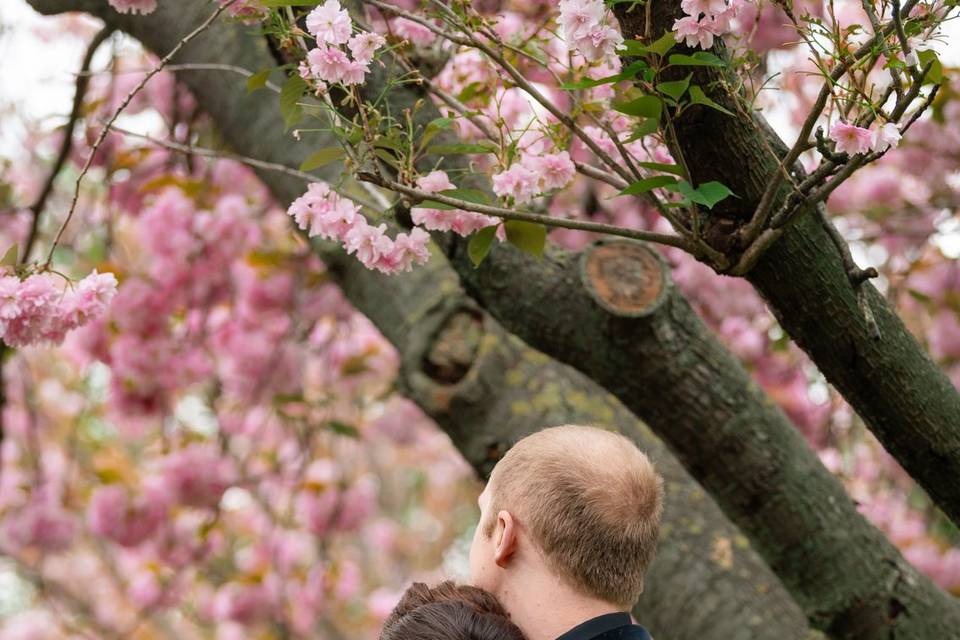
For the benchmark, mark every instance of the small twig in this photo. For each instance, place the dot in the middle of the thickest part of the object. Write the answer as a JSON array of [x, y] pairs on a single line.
[[525, 216], [66, 144], [252, 162], [116, 114], [758, 222], [823, 146], [194, 66]]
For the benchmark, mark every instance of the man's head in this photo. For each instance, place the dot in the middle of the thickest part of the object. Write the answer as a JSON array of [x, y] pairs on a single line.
[[581, 503]]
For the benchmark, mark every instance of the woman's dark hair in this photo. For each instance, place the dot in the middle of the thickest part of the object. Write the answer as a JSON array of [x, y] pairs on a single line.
[[449, 612]]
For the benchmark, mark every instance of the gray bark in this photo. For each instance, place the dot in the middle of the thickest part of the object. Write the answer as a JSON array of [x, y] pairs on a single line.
[[904, 398]]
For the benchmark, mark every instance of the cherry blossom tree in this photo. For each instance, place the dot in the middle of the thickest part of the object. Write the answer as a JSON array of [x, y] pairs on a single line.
[[220, 447]]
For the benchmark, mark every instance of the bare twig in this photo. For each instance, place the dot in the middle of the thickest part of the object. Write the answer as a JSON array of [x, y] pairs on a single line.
[[66, 144], [252, 162], [116, 114]]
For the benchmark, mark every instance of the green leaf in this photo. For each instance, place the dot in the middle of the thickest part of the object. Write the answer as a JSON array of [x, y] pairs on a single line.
[[660, 47], [697, 96], [10, 257], [469, 195], [648, 184], [644, 106], [258, 80], [526, 236], [628, 73], [699, 59], [460, 147], [290, 94], [433, 128], [472, 90], [708, 194], [676, 88], [480, 243], [675, 169], [343, 429], [352, 136], [322, 157], [663, 44], [935, 75], [645, 128], [387, 157]]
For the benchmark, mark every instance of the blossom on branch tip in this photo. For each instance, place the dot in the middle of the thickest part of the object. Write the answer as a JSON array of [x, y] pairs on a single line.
[[330, 23], [460, 222], [851, 138], [885, 137], [364, 45], [323, 212], [518, 182], [589, 28], [706, 20], [36, 310]]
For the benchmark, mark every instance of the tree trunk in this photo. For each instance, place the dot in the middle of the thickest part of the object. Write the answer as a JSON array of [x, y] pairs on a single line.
[[612, 307], [904, 398], [483, 386]]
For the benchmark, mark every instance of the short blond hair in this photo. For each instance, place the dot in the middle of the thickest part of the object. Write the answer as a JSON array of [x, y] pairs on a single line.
[[590, 500]]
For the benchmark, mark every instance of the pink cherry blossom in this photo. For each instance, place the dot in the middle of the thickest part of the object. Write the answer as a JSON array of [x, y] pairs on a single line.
[[599, 43], [696, 32], [590, 29], [414, 32], [556, 170], [328, 63], [369, 243], [128, 521], [885, 137], [354, 72], [517, 182], [330, 23], [42, 523], [363, 45], [850, 138], [196, 475]]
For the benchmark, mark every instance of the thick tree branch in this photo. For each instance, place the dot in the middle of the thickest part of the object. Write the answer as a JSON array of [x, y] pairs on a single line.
[[483, 386], [902, 395]]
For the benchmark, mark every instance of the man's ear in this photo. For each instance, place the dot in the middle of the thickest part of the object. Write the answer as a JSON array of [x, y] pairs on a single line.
[[506, 542]]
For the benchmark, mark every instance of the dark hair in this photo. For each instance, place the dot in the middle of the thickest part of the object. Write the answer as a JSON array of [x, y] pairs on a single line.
[[449, 612]]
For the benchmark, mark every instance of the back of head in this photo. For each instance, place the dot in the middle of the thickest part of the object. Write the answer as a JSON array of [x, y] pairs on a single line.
[[449, 612], [590, 500]]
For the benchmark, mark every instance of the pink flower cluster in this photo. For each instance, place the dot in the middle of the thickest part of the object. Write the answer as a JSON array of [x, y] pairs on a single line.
[[706, 20], [332, 27], [460, 222], [533, 175], [127, 520], [42, 523], [853, 139], [35, 310], [134, 6], [322, 212], [588, 28]]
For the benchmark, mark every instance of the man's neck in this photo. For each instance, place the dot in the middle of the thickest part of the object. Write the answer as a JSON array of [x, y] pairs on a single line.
[[547, 610]]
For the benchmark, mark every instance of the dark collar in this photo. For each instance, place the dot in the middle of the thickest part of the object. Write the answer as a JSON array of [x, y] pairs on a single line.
[[597, 626]]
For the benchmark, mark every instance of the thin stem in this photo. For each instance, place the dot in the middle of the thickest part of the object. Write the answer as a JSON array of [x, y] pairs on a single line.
[[252, 162], [525, 216], [116, 114], [66, 144]]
